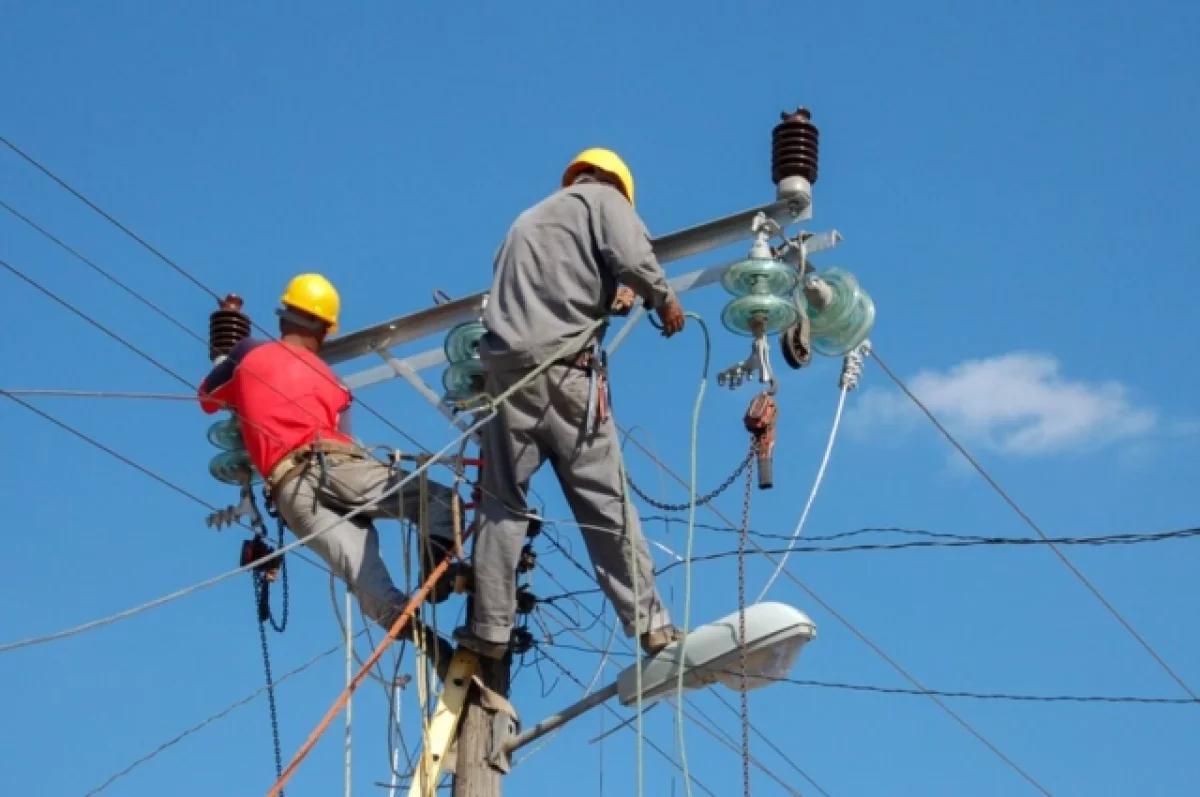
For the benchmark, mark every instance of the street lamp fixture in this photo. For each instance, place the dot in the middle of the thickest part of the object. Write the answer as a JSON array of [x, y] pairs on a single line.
[[775, 636]]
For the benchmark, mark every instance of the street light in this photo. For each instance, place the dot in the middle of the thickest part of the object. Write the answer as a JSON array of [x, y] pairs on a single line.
[[775, 636]]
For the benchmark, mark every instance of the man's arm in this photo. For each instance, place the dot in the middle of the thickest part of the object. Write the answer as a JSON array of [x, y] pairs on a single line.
[[624, 245], [216, 390]]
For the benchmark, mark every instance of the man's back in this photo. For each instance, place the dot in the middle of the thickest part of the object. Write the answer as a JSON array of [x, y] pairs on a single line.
[[285, 396], [557, 272]]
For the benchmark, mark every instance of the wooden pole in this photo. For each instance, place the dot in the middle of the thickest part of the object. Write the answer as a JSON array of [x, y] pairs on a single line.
[[473, 777]]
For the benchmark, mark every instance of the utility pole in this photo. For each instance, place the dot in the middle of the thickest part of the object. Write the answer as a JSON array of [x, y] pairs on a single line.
[[473, 775]]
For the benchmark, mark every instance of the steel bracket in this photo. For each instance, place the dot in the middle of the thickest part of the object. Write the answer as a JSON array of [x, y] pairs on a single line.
[[505, 727], [759, 362]]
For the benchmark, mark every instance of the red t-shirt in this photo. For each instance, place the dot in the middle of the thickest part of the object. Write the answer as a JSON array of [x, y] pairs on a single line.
[[285, 397]]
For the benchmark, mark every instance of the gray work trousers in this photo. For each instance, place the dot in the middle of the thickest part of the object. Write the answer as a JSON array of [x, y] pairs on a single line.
[[350, 547], [545, 420]]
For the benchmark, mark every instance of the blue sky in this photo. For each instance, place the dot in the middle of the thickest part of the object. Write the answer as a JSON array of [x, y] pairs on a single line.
[[1015, 186]]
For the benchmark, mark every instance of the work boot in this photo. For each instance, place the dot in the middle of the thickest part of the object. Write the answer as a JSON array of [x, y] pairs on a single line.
[[441, 650], [468, 639], [653, 642]]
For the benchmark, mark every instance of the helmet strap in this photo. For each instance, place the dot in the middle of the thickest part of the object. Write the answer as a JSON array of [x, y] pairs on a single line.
[[300, 319]]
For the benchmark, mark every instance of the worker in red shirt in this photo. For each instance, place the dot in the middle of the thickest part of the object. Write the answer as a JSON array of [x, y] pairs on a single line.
[[295, 415]]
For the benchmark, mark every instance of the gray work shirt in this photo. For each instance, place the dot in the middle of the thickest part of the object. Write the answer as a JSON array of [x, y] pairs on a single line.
[[558, 270]]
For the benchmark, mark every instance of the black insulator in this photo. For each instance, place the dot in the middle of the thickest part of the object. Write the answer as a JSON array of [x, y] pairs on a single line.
[[526, 600], [527, 561], [535, 528], [520, 641], [227, 326], [794, 145]]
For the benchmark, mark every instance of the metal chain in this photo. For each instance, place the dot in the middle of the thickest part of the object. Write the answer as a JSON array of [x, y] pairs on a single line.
[[701, 501], [742, 538], [260, 596], [262, 600]]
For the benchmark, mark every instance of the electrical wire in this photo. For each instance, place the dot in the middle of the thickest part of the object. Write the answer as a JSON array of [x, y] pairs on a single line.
[[965, 694], [182, 272], [127, 613], [725, 739], [868, 642], [1030, 522], [99, 394], [649, 742], [812, 495], [1018, 542], [1098, 540], [162, 257], [592, 648], [693, 456], [162, 748], [102, 272]]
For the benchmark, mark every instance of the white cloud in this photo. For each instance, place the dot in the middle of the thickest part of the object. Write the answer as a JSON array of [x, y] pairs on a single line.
[[1017, 403]]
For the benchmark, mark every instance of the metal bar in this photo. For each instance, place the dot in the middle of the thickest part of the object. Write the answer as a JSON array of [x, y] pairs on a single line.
[[670, 247], [692, 280], [400, 330], [555, 721], [730, 229], [410, 375]]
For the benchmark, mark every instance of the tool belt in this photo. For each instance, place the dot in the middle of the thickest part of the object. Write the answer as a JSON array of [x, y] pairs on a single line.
[[595, 364], [297, 460]]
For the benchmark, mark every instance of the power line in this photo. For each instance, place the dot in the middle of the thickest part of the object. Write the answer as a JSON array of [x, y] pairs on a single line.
[[1097, 539], [965, 694], [1030, 522], [726, 739], [162, 748], [290, 547], [1098, 542], [720, 697], [63, 183], [653, 746], [99, 394], [101, 271], [865, 639], [179, 269]]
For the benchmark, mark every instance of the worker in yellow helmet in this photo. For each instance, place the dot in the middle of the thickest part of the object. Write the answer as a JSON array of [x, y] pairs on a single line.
[[575, 257], [295, 422]]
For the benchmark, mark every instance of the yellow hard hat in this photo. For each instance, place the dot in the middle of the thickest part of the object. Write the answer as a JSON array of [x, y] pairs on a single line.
[[315, 295], [605, 160]]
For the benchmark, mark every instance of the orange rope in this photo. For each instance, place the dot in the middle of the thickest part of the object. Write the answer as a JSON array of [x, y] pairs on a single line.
[[340, 703]]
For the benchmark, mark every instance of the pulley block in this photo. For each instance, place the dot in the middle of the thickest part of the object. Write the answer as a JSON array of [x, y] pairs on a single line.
[[254, 549], [760, 420]]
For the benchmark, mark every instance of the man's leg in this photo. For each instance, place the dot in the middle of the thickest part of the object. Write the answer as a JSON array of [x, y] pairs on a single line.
[[589, 469], [365, 482], [511, 455], [350, 548]]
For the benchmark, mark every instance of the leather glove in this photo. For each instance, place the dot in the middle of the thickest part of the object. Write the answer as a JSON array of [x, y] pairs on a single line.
[[671, 316]]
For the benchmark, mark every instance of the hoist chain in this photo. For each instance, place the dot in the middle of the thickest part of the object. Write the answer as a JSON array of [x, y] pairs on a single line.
[[700, 501], [259, 596], [742, 538], [262, 601]]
